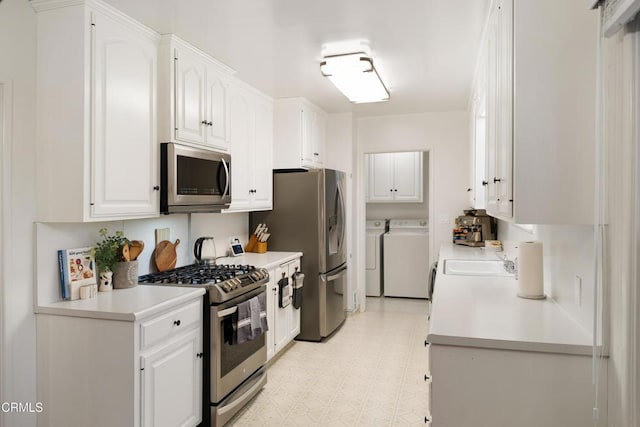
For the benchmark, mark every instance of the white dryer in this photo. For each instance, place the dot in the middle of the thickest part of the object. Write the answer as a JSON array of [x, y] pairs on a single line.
[[406, 258], [374, 256]]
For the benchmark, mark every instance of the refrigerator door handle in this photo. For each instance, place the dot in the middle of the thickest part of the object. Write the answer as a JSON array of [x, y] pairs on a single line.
[[330, 277], [341, 218]]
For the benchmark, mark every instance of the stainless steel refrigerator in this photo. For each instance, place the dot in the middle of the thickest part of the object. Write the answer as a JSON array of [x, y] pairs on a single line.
[[309, 216]]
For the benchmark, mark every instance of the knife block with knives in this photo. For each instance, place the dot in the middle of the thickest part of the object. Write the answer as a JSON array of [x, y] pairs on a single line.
[[258, 240]]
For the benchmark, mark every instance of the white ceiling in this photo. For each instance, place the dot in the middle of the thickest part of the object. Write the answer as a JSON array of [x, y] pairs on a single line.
[[424, 49]]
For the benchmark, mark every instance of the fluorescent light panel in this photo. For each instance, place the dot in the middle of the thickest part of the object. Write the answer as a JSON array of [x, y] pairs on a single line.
[[355, 76]]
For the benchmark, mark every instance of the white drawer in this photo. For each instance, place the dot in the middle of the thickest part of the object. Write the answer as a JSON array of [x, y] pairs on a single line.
[[174, 322]]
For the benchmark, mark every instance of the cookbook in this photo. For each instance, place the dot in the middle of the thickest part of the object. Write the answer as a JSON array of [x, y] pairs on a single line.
[[77, 269]]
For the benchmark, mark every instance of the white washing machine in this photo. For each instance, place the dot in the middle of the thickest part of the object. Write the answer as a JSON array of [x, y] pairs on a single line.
[[374, 256], [406, 258]]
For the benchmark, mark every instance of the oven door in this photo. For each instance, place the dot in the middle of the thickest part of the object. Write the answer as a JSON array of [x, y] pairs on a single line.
[[231, 364]]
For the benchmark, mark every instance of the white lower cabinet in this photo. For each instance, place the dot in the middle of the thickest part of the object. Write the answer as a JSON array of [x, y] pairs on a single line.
[[284, 322], [106, 372], [495, 387]]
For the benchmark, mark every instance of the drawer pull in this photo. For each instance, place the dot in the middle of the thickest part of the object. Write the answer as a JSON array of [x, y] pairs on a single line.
[[177, 322]]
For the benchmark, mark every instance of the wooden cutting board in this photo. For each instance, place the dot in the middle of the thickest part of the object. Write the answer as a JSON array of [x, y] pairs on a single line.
[[165, 255]]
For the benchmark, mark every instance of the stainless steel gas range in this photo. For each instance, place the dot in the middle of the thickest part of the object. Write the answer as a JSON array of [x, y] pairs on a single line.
[[233, 373]]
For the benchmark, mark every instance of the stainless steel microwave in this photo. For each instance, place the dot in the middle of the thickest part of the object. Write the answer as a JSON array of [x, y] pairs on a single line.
[[193, 179]]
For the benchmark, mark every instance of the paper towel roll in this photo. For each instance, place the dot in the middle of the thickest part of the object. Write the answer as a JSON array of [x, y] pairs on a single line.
[[530, 271]]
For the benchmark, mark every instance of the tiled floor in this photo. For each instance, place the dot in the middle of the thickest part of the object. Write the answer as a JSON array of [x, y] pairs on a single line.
[[370, 373]]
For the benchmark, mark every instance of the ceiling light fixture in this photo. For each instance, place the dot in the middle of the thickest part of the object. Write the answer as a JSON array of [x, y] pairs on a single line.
[[355, 76]]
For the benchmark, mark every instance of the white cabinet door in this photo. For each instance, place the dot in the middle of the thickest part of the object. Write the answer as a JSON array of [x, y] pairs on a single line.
[[380, 177], [300, 133], [294, 323], [125, 149], [407, 177], [282, 316], [172, 383], [251, 142], [262, 170], [190, 75], [240, 142], [216, 111], [395, 177]]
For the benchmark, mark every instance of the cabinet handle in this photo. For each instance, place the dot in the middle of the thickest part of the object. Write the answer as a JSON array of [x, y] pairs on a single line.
[[200, 355], [485, 183], [426, 343], [426, 377], [496, 180], [316, 154], [177, 322], [210, 124], [468, 189], [204, 122], [426, 420], [157, 188]]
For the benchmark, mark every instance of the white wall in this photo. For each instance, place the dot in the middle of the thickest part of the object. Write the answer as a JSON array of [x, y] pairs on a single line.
[[568, 251], [18, 65], [445, 136], [404, 210]]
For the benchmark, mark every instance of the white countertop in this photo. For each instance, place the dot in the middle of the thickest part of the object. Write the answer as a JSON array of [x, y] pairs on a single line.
[[266, 260], [123, 304], [476, 311]]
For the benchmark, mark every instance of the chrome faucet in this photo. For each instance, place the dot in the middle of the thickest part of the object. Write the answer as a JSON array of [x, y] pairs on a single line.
[[510, 266]]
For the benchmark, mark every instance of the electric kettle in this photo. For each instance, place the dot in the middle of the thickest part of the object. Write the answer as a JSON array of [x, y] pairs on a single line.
[[205, 250]]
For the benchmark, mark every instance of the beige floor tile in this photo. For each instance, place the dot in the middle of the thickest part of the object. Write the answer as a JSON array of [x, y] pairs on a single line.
[[370, 373]]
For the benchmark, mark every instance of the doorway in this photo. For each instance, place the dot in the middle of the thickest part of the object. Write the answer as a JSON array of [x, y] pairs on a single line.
[[397, 189]]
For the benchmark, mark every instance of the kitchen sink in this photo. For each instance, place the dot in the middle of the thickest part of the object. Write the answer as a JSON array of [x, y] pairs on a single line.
[[475, 267]]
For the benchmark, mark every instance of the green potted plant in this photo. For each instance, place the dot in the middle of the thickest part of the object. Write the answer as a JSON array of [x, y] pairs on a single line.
[[115, 267]]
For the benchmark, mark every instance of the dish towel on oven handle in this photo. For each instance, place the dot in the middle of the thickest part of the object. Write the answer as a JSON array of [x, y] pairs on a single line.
[[298, 281], [252, 319]]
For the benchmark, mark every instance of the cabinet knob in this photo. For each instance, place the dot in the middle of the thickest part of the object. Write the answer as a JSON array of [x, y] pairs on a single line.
[[496, 180], [485, 183], [426, 377], [316, 154], [426, 420], [426, 343], [396, 190], [204, 122], [200, 355], [468, 190], [391, 189], [210, 123], [157, 188], [176, 322]]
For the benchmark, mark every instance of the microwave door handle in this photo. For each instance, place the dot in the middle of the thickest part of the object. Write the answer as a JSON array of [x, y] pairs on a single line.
[[226, 182]]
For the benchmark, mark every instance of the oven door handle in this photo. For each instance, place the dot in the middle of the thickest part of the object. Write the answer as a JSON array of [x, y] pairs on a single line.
[[228, 311]]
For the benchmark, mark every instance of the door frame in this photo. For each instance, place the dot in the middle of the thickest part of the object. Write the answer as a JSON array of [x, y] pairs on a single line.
[[361, 210]]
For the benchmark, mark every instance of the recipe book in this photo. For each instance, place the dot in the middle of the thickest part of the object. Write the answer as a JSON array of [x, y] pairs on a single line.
[[77, 268]]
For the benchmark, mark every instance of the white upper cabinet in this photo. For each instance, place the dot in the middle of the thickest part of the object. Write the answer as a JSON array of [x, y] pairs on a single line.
[[97, 150], [395, 177], [193, 95], [251, 141], [540, 111], [300, 134]]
